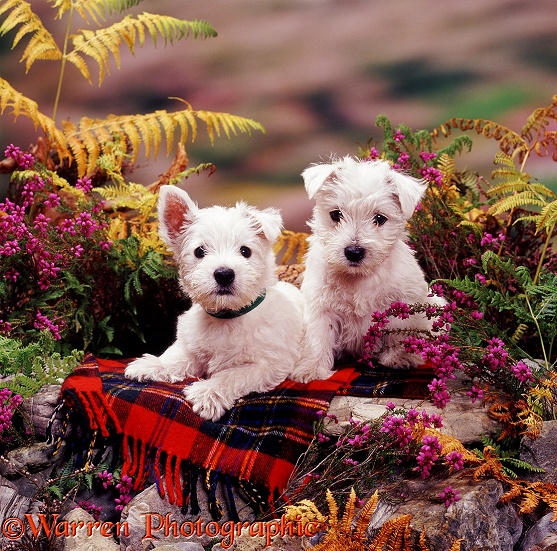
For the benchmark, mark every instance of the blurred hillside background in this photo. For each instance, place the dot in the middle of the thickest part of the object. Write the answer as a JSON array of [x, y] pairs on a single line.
[[315, 73]]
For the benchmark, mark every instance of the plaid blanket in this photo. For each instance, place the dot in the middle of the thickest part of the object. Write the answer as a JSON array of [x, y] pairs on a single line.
[[255, 445]]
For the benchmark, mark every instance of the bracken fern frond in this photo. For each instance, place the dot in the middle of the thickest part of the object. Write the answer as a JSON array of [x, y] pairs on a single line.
[[98, 45], [41, 43], [22, 105]]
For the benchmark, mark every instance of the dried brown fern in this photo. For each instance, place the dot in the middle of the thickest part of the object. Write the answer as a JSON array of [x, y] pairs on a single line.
[[350, 533], [531, 495]]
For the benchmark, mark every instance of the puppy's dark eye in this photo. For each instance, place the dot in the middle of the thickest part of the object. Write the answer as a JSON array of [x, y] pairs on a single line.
[[379, 219], [245, 252], [199, 252], [336, 215]]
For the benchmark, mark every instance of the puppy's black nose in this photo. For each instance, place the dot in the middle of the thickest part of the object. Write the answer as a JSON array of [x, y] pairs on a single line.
[[224, 276], [354, 253]]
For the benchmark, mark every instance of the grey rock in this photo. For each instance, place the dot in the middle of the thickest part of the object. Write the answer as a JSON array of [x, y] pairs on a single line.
[[12, 506], [542, 452], [145, 513], [32, 459], [88, 535], [40, 408], [182, 546], [461, 419], [543, 530], [478, 518]]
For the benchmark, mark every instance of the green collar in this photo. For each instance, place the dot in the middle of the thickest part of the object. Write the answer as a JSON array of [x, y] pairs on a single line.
[[230, 314]]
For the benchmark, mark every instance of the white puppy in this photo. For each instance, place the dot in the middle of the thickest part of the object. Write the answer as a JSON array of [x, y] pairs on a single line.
[[358, 262], [244, 331]]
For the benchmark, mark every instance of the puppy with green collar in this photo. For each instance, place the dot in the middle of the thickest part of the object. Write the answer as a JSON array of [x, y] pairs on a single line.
[[244, 331]]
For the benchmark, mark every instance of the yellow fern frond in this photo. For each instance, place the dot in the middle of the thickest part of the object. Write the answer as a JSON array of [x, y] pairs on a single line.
[[451, 444], [526, 199], [100, 44], [147, 130], [547, 217], [230, 124], [291, 246], [41, 44], [333, 508], [22, 105], [391, 534], [365, 515], [348, 516]]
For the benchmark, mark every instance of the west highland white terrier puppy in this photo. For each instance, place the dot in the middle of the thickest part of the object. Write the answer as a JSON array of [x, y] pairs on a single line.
[[244, 331], [358, 262]]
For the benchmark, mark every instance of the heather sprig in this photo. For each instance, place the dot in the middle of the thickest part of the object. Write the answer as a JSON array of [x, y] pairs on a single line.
[[63, 271], [370, 452]]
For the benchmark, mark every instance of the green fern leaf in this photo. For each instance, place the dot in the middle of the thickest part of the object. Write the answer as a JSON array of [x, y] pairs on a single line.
[[548, 217], [526, 199]]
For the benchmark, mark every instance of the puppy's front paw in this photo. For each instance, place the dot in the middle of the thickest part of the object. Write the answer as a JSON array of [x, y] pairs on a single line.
[[150, 367], [397, 358], [206, 400], [306, 372]]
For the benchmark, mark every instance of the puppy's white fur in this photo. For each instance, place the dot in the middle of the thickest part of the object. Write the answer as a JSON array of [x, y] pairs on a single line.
[[362, 206], [253, 352]]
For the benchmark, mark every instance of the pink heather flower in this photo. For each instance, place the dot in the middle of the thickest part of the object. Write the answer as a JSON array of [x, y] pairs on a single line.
[[390, 405], [52, 201], [398, 136], [122, 501], [437, 290], [94, 510], [321, 438], [432, 420], [400, 310], [495, 356], [10, 248], [42, 322], [440, 395], [429, 453], [455, 460], [373, 154], [77, 250], [475, 393], [394, 425], [12, 274], [84, 184], [86, 224], [469, 262], [522, 372], [449, 496], [426, 156], [106, 479], [431, 174], [67, 226], [475, 314], [8, 404], [480, 278], [350, 461], [12, 151]]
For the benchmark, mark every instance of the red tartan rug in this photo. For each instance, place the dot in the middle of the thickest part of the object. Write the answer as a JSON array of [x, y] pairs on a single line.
[[255, 445]]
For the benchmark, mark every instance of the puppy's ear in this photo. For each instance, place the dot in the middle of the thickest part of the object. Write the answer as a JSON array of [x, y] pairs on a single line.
[[176, 212], [268, 222], [409, 191], [315, 176]]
